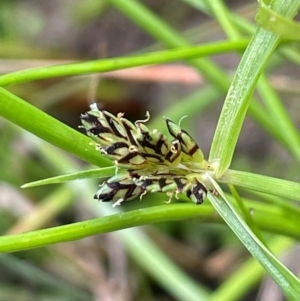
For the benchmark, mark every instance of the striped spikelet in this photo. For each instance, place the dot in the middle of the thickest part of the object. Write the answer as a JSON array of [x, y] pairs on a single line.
[[152, 162]]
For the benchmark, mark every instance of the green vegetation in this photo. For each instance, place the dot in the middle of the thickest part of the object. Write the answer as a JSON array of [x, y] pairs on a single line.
[[263, 214]]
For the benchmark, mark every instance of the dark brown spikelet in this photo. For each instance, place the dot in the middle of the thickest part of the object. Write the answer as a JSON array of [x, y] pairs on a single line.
[[147, 160]]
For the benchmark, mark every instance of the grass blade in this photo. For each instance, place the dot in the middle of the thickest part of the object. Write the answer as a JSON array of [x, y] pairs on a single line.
[[282, 276], [86, 174], [237, 101], [184, 52], [270, 185], [48, 128]]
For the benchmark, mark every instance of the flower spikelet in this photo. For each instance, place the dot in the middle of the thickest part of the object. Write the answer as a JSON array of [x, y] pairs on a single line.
[[149, 161]]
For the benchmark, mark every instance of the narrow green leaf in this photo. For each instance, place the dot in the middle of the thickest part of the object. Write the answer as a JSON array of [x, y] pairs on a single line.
[[246, 214], [48, 128], [149, 215], [237, 101], [282, 276], [86, 174], [272, 21], [184, 52], [247, 276], [270, 185], [101, 225]]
